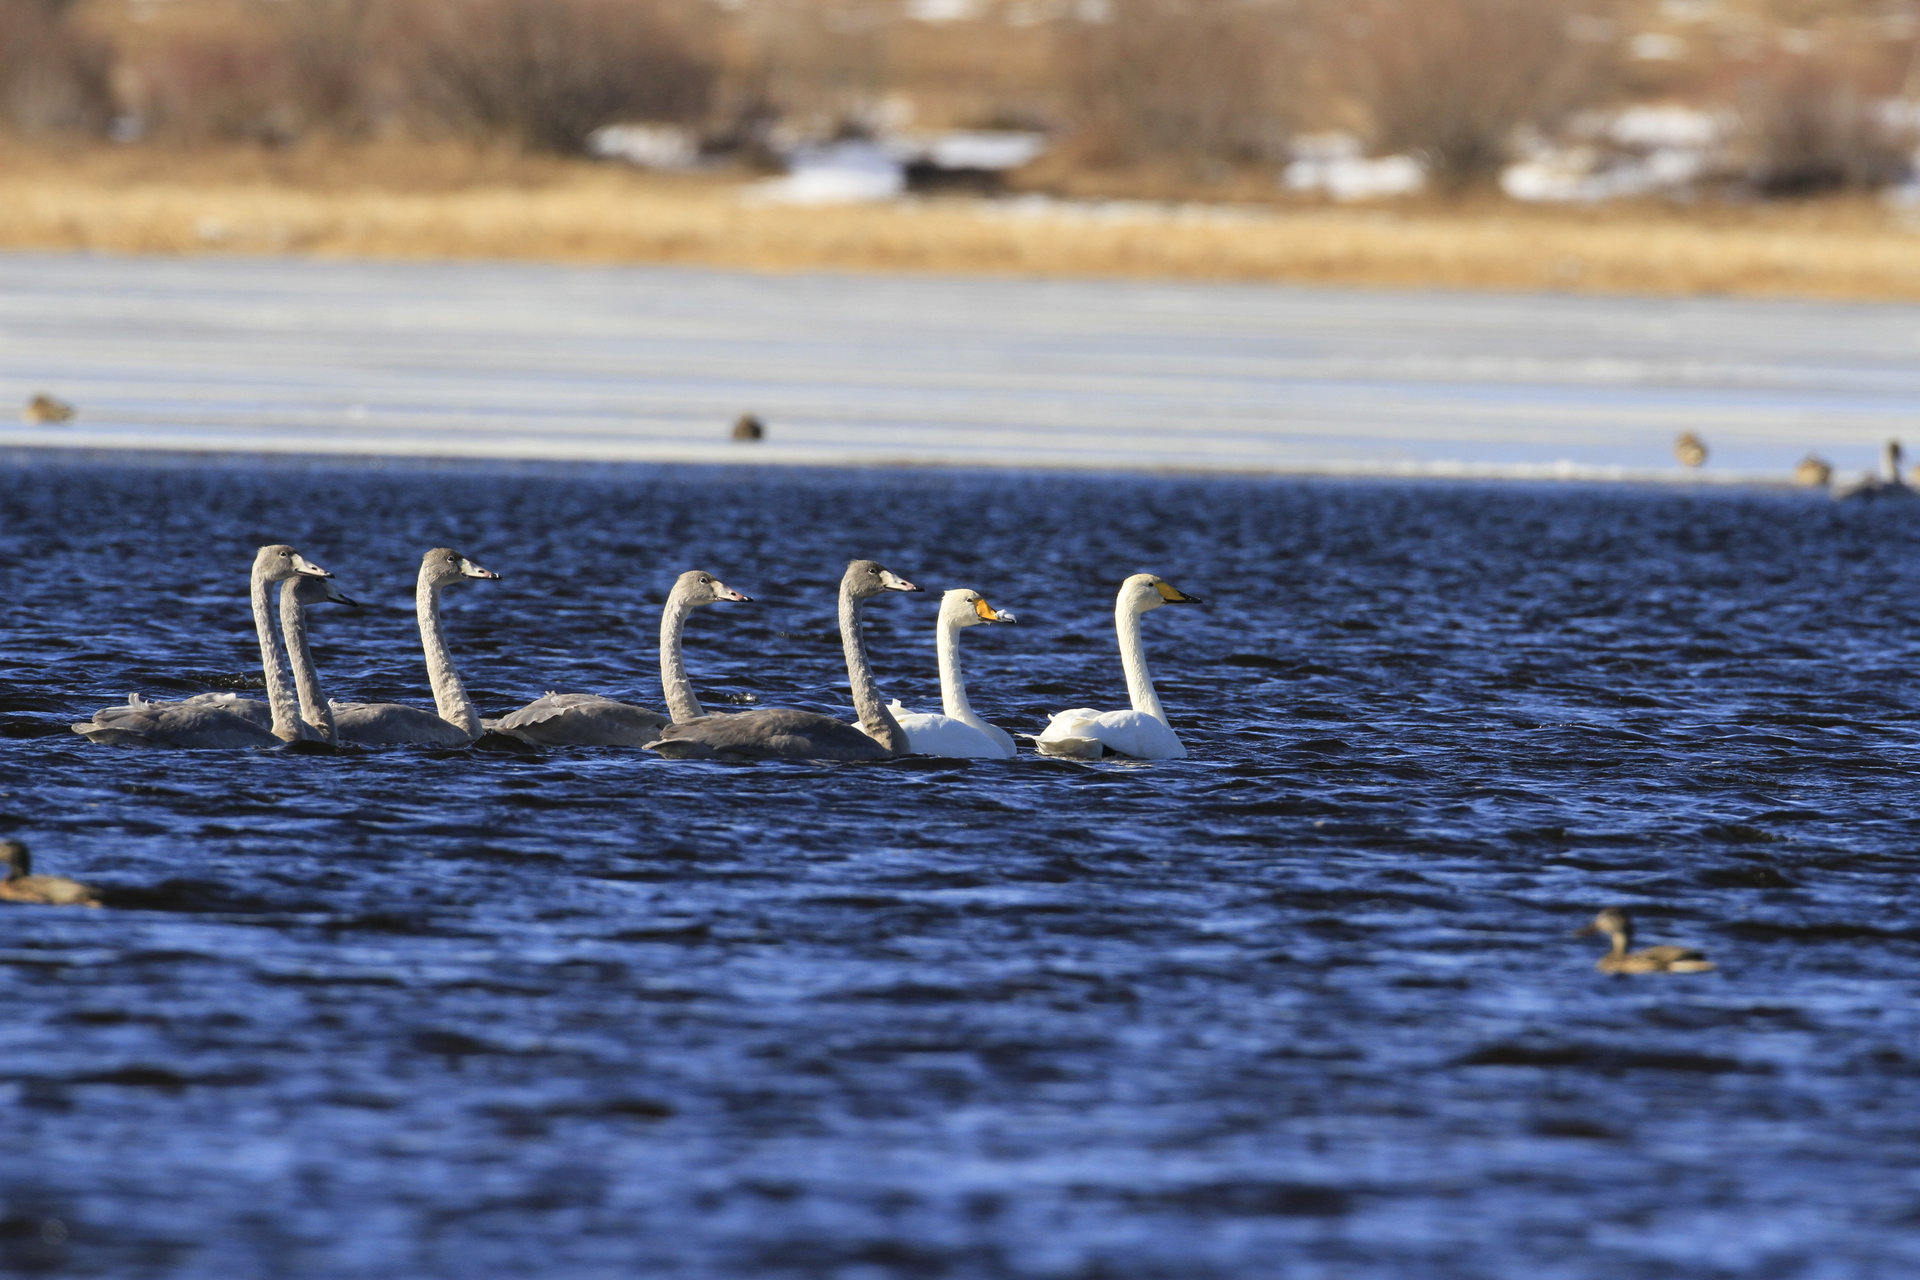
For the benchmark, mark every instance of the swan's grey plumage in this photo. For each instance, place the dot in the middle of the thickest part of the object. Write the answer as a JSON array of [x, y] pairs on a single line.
[[296, 594], [454, 722], [788, 732], [592, 720], [216, 720]]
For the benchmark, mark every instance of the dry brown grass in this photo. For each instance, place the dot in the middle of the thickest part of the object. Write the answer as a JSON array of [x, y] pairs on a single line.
[[386, 202]]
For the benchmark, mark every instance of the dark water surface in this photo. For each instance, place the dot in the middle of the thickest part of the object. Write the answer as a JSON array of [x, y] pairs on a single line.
[[1302, 1005]]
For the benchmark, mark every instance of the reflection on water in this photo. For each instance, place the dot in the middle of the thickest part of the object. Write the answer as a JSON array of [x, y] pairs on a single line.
[[1304, 1001]]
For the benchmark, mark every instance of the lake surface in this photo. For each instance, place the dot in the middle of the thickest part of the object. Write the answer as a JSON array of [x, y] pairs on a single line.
[[651, 364], [1303, 1004]]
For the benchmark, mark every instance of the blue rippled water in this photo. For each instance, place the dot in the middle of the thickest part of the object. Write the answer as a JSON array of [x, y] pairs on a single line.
[[1302, 1005]]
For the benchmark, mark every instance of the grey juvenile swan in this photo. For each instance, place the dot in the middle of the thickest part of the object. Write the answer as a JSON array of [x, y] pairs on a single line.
[[784, 732], [206, 720], [590, 720], [295, 595], [391, 723]]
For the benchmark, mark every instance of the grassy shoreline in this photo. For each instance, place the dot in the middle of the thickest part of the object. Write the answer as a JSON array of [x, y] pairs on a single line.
[[447, 203]]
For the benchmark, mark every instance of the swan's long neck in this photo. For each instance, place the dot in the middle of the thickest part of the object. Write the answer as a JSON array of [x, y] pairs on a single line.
[[953, 685], [1133, 660], [449, 695], [875, 720], [293, 622], [681, 704], [273, 664]]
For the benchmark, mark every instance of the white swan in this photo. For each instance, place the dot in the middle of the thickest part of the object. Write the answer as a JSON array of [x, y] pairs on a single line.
[[958, 733], [213, 720], [785, 732], [392, 723], [590, 720], [1143, 732]]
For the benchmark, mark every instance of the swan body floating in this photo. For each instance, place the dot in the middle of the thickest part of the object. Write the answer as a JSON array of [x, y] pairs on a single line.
[[959, 733], [21, 885], [1887, 484], [454, 722], [295, 595], [590, 720], [217, 720], [789, 733], [1620, 958], [1142, 732]]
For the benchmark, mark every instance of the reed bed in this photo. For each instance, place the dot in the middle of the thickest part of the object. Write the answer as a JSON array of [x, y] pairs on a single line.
[[480, 207]]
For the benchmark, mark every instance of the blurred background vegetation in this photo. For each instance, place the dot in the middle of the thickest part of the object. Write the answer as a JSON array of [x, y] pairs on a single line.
[[1670, 106]]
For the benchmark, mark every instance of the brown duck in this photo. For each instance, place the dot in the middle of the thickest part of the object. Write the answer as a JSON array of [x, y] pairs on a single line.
[[21, 885], [1618, 925]]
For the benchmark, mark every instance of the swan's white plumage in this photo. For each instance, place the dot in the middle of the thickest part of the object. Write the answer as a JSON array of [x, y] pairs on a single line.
[[1088, 734], [1141, 732], [932, 734], [958, 732]]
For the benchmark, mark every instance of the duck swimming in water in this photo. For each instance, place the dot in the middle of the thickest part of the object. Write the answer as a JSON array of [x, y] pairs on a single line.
[[1618, 925], [21, 885]]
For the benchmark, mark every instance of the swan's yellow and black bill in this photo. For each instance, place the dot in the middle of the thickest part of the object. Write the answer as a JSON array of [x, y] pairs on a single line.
[[990, 614], [1174, 595]]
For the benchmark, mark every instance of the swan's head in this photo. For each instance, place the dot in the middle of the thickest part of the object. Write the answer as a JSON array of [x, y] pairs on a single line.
[[279, 562], [444, 566], [700, 587], [321, 591], [964, 607], [1146, 591], [15, 861], [1614, 922], [866, 579]]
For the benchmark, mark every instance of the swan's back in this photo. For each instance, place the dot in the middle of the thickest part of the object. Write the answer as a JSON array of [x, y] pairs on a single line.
[[1087, 733], [929, 734], [582, 720], [393, 724], [201, 721], [770, 733]]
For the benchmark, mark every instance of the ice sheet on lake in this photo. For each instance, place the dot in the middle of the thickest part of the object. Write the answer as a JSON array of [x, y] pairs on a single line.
[[648, 364]]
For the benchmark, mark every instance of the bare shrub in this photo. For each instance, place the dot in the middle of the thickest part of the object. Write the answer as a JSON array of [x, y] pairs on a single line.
[[53, 74], [1807, 128], [1451, 81], [1197, 81], [331, 51], [544, 74], [218, 86], [269, 75]]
